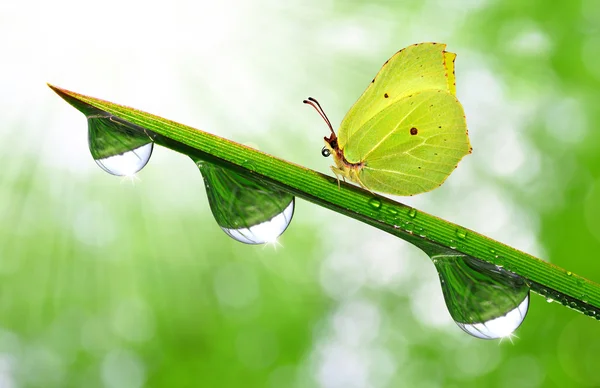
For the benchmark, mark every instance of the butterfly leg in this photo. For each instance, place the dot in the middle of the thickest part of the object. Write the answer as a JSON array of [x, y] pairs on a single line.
[[338, 172]]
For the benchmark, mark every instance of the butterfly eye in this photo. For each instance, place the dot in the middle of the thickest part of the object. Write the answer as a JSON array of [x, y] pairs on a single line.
[[325, 152]]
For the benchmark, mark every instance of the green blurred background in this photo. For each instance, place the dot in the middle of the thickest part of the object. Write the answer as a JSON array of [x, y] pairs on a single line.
[[107, 282]]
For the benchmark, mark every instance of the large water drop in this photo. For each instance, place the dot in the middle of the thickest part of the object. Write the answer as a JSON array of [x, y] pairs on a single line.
[[118, 147], [248, 210], [484, 300]]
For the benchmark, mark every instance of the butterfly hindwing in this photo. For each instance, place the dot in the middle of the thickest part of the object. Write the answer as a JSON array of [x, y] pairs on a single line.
[[413, 145]]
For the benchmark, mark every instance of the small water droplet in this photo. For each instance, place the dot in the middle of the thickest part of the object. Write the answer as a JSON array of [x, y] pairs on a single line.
[[499, 260], [461, 233], [412, 213], [549, 300], [249, 165], [118, 147], [393, 211], [484, 300], [248, 210], [569, 273], [375, 203]]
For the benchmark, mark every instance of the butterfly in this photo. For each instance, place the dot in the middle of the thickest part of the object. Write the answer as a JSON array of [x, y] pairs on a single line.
[[407, 131]]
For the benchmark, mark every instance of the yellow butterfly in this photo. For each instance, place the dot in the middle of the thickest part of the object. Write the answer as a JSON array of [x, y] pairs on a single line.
[[407, 132]]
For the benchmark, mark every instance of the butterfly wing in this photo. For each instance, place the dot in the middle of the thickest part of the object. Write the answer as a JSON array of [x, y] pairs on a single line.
[[416, 68], [449, 59], [413, 145]]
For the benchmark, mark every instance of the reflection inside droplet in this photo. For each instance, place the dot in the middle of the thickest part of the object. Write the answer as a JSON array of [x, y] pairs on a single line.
[[266, 232], [484, 300], [248, 210], [499, 327], [127, 163]]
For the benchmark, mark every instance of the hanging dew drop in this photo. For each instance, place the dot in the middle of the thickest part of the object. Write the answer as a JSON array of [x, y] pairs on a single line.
[[412, 213], [248, 210], [485, 301], [118, 147]]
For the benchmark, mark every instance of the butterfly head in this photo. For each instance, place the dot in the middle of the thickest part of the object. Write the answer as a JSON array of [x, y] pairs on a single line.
[[331, 145]]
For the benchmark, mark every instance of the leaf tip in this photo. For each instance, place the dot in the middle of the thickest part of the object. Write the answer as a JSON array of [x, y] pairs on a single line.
[[60, 91]]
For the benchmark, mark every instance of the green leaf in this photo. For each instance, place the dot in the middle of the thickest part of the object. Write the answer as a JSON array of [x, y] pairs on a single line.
[[427, 232]]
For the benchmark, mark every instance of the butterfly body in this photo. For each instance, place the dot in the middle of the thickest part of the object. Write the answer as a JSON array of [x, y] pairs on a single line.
[[407, 132]]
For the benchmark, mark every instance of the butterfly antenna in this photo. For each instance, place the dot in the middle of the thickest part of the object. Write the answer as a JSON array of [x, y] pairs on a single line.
[[315, 104]]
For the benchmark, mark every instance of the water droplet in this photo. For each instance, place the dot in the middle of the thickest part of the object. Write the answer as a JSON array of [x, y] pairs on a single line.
[[248, 210], [412, 213], [118, 147], [461, 233], [569, 273], [375, 203], [485, 301], [249, 165], [549, 300]]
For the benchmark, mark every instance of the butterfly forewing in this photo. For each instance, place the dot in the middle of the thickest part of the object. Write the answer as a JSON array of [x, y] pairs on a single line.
[[414, 69], [449, 59]]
